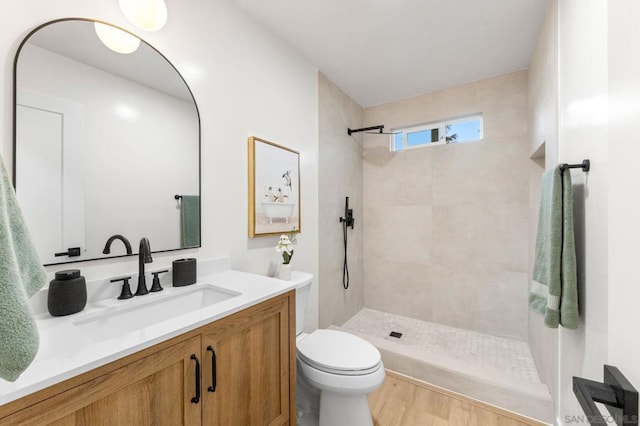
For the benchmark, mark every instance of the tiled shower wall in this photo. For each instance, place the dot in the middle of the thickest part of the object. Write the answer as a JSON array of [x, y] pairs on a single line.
[[339, 176], [446, 227]]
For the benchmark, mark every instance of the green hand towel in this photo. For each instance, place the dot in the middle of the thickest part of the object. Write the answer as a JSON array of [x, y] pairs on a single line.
[[21, 275], [554, 291], [190, 220]]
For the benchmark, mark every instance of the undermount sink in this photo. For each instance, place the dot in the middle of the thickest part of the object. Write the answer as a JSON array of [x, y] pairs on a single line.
[[118, 320]]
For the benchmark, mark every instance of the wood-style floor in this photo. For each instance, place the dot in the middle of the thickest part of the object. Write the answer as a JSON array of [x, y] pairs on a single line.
[[403, 401]]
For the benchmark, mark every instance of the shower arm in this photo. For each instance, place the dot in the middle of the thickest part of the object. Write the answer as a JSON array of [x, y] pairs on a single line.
[[380, 128]]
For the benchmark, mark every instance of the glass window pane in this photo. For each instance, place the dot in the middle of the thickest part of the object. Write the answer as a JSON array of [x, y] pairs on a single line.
[[462, 131], [397, 141], [465, 129], [423, 137]]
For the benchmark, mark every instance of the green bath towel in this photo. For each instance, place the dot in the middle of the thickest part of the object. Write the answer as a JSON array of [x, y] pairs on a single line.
[[21, 275], [554, 291], [190, 220]]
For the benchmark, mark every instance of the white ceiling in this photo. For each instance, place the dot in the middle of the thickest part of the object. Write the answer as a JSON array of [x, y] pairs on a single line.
[[380, 51]]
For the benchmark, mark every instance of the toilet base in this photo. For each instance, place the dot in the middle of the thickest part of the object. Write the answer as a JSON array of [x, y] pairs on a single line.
[[307, 402], [317, 407], [339, 409]]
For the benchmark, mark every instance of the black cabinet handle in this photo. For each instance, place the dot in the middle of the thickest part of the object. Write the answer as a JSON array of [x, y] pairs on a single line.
[[214, 373], [196, 398]]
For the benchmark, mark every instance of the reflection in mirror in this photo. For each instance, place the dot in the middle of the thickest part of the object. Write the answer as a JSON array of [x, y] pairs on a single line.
[[115, 39], [104, 142]]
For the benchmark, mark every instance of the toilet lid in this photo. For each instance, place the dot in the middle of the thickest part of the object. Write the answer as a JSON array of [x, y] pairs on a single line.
[[338, 352]]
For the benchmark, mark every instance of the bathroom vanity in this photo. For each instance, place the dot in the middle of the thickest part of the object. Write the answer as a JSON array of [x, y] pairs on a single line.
[[231, 362], [221, 351]]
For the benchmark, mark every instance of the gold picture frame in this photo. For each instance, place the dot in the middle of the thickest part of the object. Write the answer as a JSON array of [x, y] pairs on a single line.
[[274, 188]]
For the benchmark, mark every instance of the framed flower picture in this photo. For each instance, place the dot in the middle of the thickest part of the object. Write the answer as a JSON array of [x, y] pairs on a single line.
[[274, 188]]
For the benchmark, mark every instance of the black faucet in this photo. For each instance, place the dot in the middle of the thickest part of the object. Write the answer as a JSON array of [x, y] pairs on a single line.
[[144, 256], [107, 247]]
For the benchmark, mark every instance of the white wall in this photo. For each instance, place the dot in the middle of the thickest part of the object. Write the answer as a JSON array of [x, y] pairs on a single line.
[[598, 112], [624, 204], [599, 108], [583, 119], [246, 82]]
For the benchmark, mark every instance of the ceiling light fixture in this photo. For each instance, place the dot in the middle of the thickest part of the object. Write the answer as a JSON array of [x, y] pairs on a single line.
[[149, 15], [115, 39]]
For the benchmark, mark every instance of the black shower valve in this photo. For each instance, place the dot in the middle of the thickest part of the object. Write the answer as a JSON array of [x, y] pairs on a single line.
[[349, 219], [348, 214]]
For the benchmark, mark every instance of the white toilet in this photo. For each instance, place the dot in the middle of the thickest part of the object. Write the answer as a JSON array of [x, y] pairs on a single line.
[[335, 371]]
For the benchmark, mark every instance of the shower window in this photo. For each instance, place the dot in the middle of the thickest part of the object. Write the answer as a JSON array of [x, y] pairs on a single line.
[[444, 132]]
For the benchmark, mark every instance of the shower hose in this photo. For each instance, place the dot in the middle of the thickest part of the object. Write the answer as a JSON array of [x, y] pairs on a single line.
[[345, 267]]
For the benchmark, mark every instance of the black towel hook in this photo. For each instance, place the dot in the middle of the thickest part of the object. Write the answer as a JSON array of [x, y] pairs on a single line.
[[585, 166], [177, 197]]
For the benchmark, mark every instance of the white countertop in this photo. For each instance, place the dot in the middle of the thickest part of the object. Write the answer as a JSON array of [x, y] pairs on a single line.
[[65, 352]]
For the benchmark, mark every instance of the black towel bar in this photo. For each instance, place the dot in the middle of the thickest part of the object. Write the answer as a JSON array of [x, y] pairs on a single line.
[[585, 166], [616, 393]]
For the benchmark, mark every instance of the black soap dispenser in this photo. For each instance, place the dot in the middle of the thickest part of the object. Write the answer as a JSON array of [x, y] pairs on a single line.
[[67, 293], [184, 272]]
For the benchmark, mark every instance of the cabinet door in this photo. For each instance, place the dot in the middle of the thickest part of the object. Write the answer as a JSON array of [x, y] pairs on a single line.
[[155, 390], [251, 367]]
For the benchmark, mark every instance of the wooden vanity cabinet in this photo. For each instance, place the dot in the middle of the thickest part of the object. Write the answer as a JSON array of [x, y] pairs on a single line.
[[246, 366]]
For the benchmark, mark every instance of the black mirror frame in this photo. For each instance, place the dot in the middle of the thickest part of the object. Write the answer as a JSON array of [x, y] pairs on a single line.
[[14, 124]]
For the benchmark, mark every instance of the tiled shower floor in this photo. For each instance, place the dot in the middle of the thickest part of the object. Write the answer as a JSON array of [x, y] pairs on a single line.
[[482, 350], [495, 370]]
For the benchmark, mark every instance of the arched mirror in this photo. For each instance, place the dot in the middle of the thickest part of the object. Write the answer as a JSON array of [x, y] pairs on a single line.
[[106, 144]]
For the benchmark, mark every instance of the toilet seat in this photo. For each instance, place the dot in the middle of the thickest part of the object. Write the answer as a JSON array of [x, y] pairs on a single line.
[[339, 353]]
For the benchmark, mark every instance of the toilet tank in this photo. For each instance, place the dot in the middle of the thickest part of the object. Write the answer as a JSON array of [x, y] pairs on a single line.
[[303, 288]]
